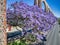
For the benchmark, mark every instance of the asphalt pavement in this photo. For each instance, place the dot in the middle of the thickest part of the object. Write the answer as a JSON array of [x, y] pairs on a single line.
[[53, 37]]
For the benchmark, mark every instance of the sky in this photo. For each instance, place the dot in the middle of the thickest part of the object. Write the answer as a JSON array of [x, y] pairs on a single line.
[[53, 4]]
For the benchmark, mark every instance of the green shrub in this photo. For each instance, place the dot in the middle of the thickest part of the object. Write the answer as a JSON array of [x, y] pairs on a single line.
[[18, 42], [59, 21]]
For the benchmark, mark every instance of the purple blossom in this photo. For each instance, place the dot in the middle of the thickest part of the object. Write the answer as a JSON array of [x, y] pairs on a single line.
[[33, 17]]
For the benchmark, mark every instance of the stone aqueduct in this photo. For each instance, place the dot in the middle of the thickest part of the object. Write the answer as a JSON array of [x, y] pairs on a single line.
[[3, 17]]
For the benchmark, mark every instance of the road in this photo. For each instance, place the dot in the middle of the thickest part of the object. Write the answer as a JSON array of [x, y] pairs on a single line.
[[53, 37]]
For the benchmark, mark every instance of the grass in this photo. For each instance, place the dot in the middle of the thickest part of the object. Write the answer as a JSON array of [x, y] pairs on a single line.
[[18, 42]]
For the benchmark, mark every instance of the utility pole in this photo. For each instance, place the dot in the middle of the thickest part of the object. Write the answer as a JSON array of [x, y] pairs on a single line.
[[3, 22]]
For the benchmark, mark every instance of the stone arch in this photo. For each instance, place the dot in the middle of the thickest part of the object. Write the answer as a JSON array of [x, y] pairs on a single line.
[[39, 3], [43, 5], [46, 6]]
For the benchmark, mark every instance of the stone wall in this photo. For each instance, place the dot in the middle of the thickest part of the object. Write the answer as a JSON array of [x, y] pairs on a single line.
[[2, 22], [1, 37]]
